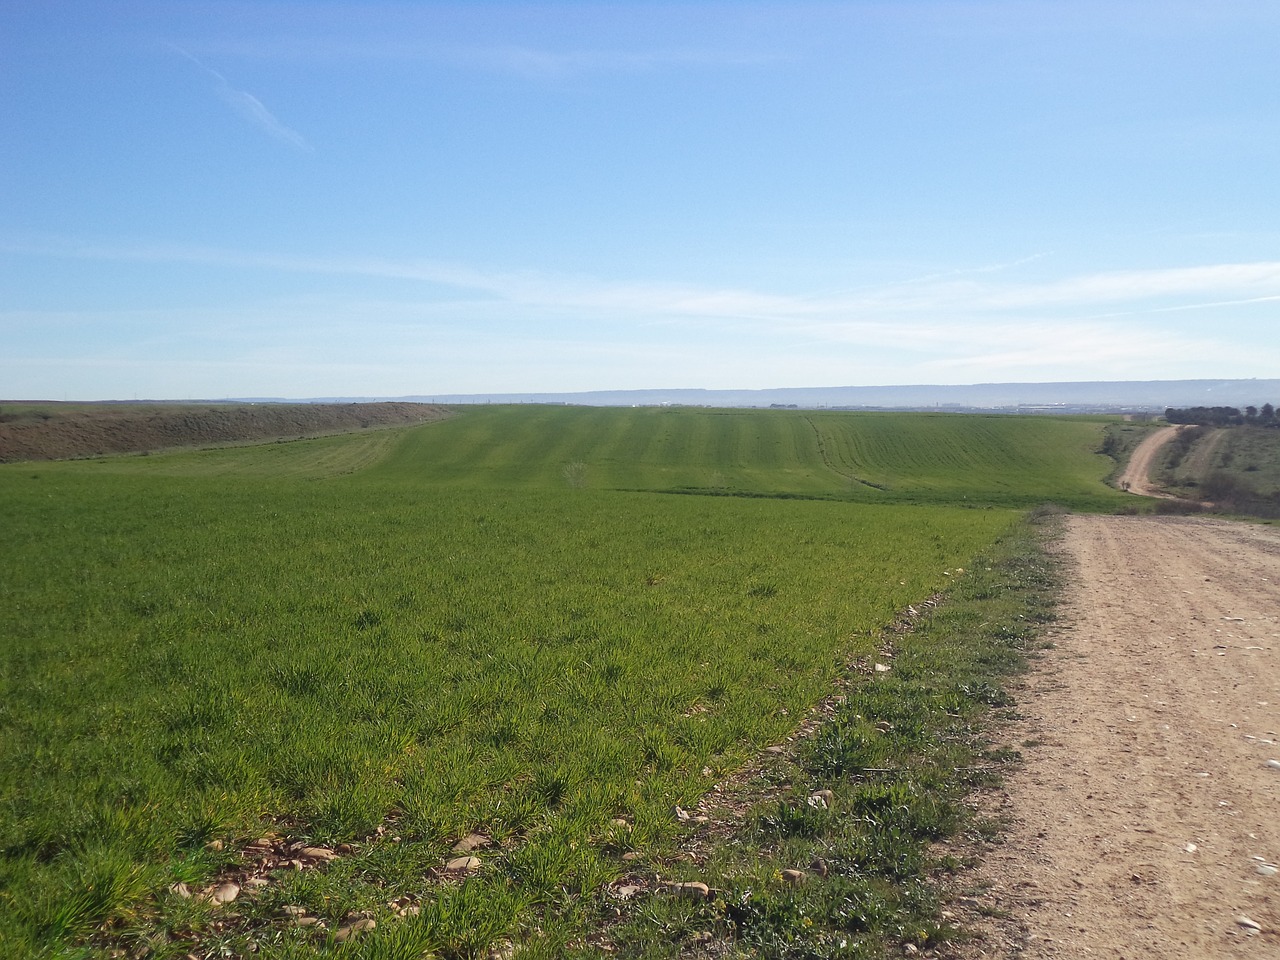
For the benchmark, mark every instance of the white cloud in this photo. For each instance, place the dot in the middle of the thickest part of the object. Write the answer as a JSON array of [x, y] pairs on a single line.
[[248, 106], [1250, 280], [539, 63], [928, 299], [472, 329], [512, 58], [252, 109]]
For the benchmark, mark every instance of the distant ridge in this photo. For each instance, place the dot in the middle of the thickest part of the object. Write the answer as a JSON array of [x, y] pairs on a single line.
[[1099, 396]]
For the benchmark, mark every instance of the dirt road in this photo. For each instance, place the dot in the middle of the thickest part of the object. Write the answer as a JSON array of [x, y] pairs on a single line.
[[1137, 474], [1146, 819]]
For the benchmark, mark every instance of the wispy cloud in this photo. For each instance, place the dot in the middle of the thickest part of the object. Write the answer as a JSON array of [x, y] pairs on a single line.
[[930, 299], [247, 105], [956, 326], [513, 58], [535, 62], [1250, 279]]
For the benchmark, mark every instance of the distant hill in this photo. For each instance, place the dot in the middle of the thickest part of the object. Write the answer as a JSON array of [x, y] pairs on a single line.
[[1123, 396]]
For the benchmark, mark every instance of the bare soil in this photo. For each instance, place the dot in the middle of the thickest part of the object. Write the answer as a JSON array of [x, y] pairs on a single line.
[[52, 431], [1144, 820], [1137, 474]]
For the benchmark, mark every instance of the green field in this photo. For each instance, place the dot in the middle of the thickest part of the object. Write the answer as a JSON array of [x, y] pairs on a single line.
[[869, 458], [529, 622]]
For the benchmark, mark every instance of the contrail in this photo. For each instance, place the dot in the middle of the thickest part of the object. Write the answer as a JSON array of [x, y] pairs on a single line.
[[247, 105]]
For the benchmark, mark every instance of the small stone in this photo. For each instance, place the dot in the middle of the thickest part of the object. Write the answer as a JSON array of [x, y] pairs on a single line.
[[223, 893], [793, 876], [1266, 870], [631, 855], [180, 889], [626, 891], [619, 822], [411, 911], [775, 749], [681, 813], [305, 921], [1274, 764], [822, 800], [472, 841], [291, 910], [463, 865], [1251, 925], [351, 929], [257, 882], [213, 846], [883, 668], [911, 948], [694, 890], [344, 848], [318, 853]]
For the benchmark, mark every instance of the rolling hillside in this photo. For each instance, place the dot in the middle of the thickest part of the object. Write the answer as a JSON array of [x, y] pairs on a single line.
[[501, 623]]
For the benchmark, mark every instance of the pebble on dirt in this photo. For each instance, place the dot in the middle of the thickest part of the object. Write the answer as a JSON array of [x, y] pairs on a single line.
[[360, 926], [223, 893], [472, 841], [822, 800], [694, 890]]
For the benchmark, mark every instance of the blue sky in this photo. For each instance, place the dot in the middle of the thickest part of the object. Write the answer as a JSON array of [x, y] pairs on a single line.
[[378, 199]]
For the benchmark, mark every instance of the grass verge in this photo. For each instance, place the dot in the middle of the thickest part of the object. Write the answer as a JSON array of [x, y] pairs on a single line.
[[841, 844]]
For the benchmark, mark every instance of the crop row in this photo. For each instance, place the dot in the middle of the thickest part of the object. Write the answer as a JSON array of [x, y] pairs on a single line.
[[348, 639]]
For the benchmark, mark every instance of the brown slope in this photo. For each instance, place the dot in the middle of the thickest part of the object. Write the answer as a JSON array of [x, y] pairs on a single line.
[[67, 431]]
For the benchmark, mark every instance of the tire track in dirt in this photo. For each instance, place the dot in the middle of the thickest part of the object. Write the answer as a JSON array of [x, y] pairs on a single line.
[[1137, 472], [1145, 816]]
